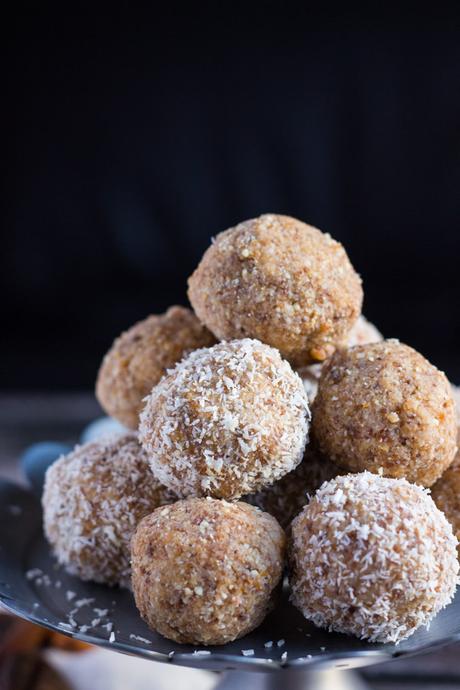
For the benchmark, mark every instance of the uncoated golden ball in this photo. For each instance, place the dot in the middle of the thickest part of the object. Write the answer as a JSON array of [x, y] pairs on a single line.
[[281, 281], [204, 570], [384, 407], [140, 357]]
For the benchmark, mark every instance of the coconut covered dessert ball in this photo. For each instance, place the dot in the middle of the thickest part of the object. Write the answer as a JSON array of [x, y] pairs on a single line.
[[92, 502], [286, 498], [385, 407], [446, 495], [226, 421], [372, 557], [204, 570], [139, 357], [281, 281]]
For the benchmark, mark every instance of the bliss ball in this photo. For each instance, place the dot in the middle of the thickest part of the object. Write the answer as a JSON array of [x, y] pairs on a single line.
[[384, 407], [140, 357], [363, 332], [281, 281], [204, 570], [446, 495], [92, 502], [372, 557], [286, 498], [226, 421]]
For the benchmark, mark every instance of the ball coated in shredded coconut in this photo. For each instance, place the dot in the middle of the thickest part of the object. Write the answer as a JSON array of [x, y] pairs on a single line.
[[281, 281], [139, 357], [286, 498], [372, 557], [385, 407], [204, 570], [226, 421], [92, 502]]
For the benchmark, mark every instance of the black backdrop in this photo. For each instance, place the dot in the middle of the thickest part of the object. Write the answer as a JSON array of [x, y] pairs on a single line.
[[131, 139]]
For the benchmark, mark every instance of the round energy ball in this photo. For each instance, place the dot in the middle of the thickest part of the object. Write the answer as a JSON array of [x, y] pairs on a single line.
[[446, 495], [385, 407], [286, 498], [372, 557], [363, 332], [92, 502], [140, 357], [204, 570], [281, 281], [226, 421]]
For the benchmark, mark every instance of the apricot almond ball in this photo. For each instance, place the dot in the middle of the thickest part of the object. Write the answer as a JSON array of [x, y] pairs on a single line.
[[281, 281], [204, 570], [384, 407], [372, 557], [226, 421], [141, 356], [92, 502]]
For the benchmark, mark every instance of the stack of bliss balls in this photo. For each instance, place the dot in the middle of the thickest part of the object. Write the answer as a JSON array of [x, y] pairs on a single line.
[[273, 406]]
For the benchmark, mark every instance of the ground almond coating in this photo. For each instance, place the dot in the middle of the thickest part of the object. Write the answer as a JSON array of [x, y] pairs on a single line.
[[281, 281], [385, 407], [286, 498], [140, 357], [372, 557], [92, 502], [226, 421], [204, 570]]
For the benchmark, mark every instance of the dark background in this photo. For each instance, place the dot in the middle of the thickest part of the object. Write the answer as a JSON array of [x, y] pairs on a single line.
[[131, 139]]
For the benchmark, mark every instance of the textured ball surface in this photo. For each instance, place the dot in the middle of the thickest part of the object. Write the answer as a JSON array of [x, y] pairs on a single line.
[[140, 357], [281, 281], [385, 407], [92, 502], [226, 421], [204, 570], [372, 557], [286, 498]]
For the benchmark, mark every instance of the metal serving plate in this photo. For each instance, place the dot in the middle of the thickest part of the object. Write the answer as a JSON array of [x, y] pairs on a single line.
[[35, 588]]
